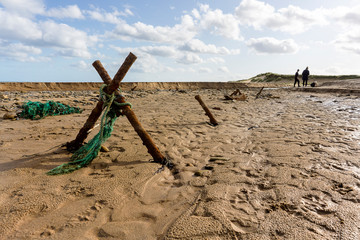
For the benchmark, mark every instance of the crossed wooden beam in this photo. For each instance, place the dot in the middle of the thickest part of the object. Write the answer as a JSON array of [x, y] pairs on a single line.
[[112, 86]]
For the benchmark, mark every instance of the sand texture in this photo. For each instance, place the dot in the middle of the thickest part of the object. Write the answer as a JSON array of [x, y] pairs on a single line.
[[282, 166]]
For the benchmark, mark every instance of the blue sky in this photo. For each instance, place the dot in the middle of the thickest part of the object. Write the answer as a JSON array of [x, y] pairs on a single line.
[[57, 41]]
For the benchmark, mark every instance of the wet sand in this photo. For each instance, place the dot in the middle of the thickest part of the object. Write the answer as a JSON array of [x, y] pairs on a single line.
[[283, 166]]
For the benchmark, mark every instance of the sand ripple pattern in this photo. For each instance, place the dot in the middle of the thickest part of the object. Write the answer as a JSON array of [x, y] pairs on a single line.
[[284, 166]]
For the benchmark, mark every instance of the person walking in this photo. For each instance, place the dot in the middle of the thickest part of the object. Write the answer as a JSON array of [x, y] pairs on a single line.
[[305, 76], [296, 78]]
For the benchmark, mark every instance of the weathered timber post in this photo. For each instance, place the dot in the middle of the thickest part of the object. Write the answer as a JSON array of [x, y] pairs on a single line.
[[237, 91], [258, 94], [207, 111], [96, 112], [130, 115]]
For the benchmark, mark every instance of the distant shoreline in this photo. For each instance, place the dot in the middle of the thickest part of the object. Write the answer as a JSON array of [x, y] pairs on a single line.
[[268, 80], [126, 86]]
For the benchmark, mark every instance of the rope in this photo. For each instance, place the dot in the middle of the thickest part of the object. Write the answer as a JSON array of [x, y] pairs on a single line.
[[84, 155], [37, 110]]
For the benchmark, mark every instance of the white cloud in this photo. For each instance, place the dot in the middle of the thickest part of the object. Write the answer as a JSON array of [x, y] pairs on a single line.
[[62, 38], [126, 13], [19, 52], [218, 23], [213, 21], [159, 34], [345, 15], [349, 41], [162, 51], [24, 8], [148, 64], [272, 46], [333, 71], [189, 58], [223, 69], [81, 65], [72, 42], [205, 70], [108, 17], [178, 42], [253, 12], [216, 60], [353, 17], [196, 13], [184, 57], [24, 48], [145, 63], [292, 19], [336, 69], [348, 38], [197, 46], [71, 11], [72, 52], [15, 27]]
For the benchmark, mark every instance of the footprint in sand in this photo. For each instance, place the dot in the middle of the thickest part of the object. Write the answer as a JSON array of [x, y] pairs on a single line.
[[91, 213]]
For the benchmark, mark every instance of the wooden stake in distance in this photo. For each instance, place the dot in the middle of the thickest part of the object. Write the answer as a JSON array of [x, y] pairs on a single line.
[[96, 112], [258, 94], [236, 92], [130, 115], [207, 110]]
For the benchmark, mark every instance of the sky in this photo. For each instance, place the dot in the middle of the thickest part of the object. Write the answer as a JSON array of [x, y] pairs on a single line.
[[188, 40]]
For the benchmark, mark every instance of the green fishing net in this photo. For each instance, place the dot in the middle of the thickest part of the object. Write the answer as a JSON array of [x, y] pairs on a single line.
[[38, 110], [84, 155]]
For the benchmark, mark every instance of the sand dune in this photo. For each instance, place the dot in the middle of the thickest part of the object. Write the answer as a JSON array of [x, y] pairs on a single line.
[[283, 166]]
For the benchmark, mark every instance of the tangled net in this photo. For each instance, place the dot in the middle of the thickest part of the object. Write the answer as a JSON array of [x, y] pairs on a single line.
[[37, 110], [84, 155]]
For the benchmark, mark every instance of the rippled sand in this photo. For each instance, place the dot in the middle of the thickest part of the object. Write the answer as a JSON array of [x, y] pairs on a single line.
[[283, 166]]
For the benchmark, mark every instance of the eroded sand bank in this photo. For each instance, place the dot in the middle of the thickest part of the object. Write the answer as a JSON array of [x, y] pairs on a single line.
[[283, 166]]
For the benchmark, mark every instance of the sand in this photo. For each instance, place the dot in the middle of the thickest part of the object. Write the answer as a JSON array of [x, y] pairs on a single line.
[[283, 166]]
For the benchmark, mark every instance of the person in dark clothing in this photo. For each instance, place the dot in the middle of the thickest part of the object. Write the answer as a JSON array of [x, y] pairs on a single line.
[[296, 78], [305, 76]]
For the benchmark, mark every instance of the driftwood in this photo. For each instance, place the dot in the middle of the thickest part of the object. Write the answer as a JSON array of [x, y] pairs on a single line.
[[236, 95], [236, 92], [130, 115], [96, 112], [207, 111], [258, 94]]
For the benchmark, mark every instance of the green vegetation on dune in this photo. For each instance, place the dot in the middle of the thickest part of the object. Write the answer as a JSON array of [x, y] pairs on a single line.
[[274, 77]]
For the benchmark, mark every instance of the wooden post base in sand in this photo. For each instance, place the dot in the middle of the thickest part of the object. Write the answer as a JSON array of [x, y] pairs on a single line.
[[207, 111], [258, 94], [96, 112], [130, 115]]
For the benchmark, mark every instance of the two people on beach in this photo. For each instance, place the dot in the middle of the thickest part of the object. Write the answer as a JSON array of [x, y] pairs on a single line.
[[305, 77]]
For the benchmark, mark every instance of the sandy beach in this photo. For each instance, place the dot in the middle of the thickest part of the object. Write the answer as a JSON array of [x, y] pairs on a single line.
[[282, 166]]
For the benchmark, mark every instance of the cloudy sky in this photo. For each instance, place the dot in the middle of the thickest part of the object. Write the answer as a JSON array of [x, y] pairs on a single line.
[[47, 40]]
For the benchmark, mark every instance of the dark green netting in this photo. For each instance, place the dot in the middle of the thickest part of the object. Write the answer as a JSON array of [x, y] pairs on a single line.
[[89, 152], [38, 110]]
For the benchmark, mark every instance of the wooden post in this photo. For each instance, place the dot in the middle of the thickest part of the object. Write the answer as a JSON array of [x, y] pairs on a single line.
[[96, 112], [130, 115], [207, 111], [258, 94], [236, 92]]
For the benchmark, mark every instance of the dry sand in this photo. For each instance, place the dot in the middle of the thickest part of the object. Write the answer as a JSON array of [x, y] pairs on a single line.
[[283, 166]]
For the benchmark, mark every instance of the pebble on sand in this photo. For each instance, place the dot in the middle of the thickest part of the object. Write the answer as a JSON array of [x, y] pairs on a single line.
[[10, 116]]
